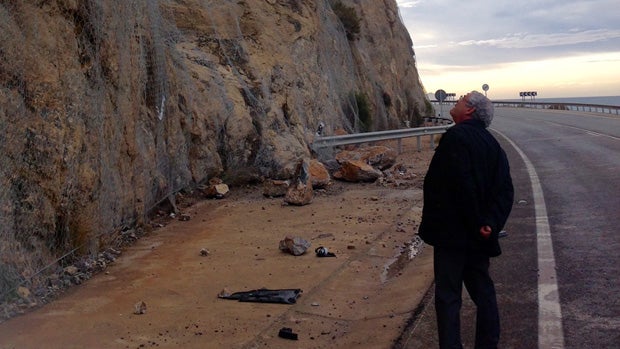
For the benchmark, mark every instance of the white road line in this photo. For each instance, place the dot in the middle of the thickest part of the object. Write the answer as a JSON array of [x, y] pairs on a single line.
[[550, 332], [591, 133]]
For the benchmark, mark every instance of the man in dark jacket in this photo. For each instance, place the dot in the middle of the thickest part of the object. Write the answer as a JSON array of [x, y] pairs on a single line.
[[468, 195]]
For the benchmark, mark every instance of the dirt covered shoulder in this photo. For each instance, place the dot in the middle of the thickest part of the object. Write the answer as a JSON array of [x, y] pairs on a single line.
[[162, 291]]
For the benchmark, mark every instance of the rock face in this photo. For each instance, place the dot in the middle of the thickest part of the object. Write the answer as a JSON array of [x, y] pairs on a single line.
[[109, 106]]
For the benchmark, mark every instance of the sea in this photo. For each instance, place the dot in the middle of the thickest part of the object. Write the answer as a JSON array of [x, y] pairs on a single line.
[[600, 100]]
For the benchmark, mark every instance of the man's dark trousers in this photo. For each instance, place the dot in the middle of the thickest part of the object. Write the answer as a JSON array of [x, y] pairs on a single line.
[[453, 268]]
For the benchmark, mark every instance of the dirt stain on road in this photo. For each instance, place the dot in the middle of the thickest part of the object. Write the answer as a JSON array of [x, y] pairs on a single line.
[[361, 298]]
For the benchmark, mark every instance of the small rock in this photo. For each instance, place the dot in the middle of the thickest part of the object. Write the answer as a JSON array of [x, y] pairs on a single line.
[[275, 187], [294, 245], [71, 270], [224, 293], [23, 292], [139, 308], [218, 191], [204, 252], [114, 251]]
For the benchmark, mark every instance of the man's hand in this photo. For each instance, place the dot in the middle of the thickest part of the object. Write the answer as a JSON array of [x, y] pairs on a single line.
[[485, 231]]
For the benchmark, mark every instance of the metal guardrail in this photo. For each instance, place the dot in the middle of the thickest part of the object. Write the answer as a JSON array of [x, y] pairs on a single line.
[[589, 108], [332, 141], [356, 138]]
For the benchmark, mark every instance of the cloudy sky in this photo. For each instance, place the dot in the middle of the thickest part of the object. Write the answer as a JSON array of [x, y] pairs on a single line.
[[559, 48]]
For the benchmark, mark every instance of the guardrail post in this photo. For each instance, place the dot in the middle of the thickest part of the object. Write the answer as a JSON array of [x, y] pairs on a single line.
[[399, 147], [419, 143], [432, 142]]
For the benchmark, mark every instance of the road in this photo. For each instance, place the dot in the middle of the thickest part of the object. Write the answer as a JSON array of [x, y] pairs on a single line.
[[565, 169]]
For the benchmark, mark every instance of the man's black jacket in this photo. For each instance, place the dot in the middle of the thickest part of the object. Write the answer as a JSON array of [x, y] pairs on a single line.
[[467, 186]]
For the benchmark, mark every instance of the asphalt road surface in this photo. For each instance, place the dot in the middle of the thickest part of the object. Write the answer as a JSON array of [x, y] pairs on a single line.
[[558, 278]]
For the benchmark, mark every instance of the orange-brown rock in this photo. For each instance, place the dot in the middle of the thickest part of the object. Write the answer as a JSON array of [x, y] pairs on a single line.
[[319, 175], [357, 171], [300, 191], [381, 157], [217, 191], [275, 187]]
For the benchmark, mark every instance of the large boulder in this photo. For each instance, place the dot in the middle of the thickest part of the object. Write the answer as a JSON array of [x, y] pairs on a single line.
[[319, 174], [379, 156], [357, 171], [300, 192]]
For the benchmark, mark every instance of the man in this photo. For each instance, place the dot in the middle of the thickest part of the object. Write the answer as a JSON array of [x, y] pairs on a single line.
[[468, 195]]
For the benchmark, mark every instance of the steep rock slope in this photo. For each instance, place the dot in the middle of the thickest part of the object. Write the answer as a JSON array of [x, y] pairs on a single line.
[[109, 106]]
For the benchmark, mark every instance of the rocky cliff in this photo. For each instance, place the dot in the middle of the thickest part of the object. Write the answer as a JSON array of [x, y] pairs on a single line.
[[109, 106]]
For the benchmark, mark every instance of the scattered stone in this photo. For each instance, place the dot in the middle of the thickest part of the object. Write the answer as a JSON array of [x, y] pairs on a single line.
[[23, 292], [204, 252], [114, 251], [319, 174], [275, 188], [108, 256], [76, 279], [184, 217], [129, 235], [294, 245], [139, 308], [357, 171], [71, 270], [224, 293], [300, 192], [217, 191], [287, 333], [380, 157]]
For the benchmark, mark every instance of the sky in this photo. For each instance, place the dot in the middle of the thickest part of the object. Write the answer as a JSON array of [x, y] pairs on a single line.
[[558, 48]]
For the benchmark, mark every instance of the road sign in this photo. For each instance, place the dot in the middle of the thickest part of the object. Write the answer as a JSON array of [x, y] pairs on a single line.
[[485, 87], [440, 95], [524, 94]]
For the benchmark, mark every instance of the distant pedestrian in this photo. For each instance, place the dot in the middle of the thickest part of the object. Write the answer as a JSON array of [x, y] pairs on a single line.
[[468, 195]]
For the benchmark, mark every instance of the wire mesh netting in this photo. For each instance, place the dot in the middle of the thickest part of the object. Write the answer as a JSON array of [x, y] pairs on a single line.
[[72, 77], [109, 107]]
